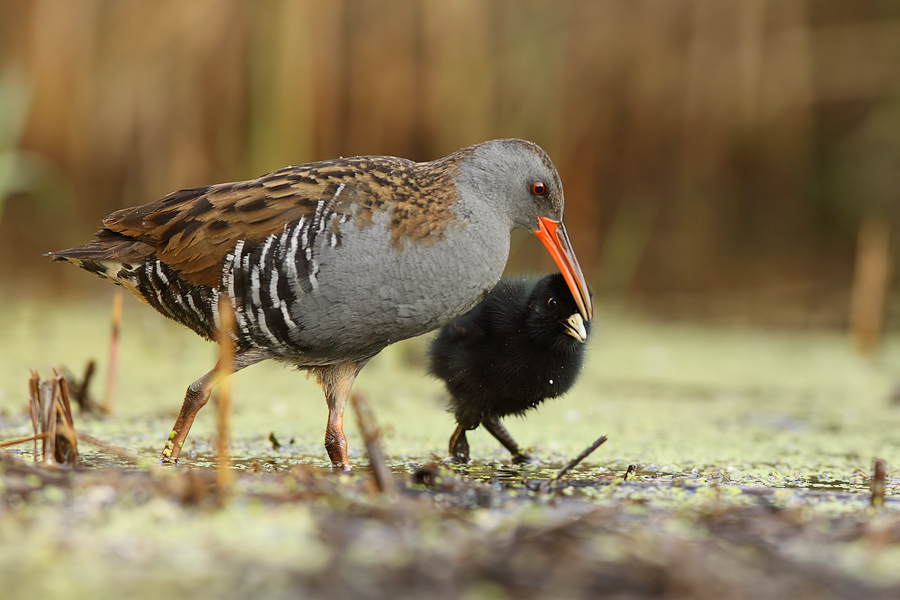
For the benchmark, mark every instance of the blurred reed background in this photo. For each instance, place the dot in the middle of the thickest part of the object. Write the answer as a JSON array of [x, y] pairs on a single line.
[[719, 158]]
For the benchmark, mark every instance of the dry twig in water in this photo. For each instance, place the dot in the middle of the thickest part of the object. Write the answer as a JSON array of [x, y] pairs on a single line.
[[149, 464], [384, 481], [223, 400], [871, 282], [877, 497], [79, 390], [51, 415], [546, 485], [22, 440], [112, 374], [629, 472]]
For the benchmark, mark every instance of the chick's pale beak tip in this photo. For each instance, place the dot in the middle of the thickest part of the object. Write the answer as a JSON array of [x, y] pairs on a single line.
[[574, 326]]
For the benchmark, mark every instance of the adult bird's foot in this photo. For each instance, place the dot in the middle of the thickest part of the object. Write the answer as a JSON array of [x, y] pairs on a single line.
[[170, 452]]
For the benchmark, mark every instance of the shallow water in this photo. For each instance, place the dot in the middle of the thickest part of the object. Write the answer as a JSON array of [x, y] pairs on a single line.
[[736, 434], [788, 409]]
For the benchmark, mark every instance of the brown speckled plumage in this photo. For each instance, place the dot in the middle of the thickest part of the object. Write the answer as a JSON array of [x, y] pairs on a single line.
[[327, 263], [191, 230]]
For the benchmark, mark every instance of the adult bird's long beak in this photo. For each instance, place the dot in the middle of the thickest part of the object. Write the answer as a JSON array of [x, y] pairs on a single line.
[[556, 240]]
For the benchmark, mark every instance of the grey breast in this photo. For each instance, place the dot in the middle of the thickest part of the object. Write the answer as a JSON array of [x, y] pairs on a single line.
[[370, 293]]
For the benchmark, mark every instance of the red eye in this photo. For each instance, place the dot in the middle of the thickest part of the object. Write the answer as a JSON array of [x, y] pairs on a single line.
[[538, 188]]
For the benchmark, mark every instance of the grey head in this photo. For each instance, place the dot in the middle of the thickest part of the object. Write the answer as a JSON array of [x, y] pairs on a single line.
[[517, 179], [507, 175]]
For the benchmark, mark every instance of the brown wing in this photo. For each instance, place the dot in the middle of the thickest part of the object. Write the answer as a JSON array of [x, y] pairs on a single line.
[[193, 229]]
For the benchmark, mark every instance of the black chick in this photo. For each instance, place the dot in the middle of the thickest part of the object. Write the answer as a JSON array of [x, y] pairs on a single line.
[[522, 344]]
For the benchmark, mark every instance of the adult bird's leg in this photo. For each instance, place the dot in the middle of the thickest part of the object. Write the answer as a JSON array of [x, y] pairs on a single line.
[[196, 398], [459, 445], [336, 381], [493, 425]]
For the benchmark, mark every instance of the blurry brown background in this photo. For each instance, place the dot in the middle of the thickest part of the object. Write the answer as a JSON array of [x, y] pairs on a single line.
[[720, 158]]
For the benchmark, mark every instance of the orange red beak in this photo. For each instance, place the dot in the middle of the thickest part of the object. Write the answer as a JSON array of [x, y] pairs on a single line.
[[556, 240]]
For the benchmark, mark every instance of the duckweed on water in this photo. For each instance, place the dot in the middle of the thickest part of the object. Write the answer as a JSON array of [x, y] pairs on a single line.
[[753, 452]]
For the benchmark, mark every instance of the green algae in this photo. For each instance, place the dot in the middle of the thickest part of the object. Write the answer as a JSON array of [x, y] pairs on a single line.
[[672, 398], [739, 436], [780, 409]]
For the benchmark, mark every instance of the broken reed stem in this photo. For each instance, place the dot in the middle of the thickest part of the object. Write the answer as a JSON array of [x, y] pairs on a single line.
[[877, 496], [34, 410], [112, 373], [65, 443], [81, 397], [573, 463], [35, 438], [51, 419], [584, 454], [870, 284], [384, 481], [49, 423], [223, 399], [118, 451]]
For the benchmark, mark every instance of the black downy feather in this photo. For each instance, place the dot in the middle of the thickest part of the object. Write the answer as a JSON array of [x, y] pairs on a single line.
[[508, 354]]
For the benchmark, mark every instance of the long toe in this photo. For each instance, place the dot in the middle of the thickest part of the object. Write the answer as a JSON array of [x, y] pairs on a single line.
[[524, 458]]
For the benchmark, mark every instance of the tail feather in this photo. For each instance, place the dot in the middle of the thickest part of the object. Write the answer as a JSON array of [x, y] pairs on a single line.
[[109, 246], [134, 265], [111, 256]]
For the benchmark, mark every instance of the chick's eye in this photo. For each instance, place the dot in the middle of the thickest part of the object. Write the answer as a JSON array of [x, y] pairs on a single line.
[[551, 303], [538, 188]]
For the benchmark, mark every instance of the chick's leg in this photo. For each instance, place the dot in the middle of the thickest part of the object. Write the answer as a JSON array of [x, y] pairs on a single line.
[[459, 445], [493, 425]]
